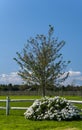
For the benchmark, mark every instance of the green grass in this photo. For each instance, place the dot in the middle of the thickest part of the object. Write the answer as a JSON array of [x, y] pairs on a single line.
[[16, 120], [73, 97]]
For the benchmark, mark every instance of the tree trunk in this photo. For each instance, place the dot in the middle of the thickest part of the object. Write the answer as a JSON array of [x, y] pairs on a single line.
[[43, 91]]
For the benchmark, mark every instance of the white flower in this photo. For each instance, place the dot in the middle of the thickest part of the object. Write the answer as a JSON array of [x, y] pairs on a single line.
[[56, 108]]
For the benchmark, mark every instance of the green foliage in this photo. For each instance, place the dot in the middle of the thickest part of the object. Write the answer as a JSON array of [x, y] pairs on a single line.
[[56, 108], [41, 62]]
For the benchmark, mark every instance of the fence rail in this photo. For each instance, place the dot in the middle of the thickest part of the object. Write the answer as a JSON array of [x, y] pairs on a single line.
[[8, 107]]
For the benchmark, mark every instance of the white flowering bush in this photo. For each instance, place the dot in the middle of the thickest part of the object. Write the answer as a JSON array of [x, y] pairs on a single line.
[[56, 108]]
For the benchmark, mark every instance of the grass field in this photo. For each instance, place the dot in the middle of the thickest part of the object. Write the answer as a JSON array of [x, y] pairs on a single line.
[[16, 120]]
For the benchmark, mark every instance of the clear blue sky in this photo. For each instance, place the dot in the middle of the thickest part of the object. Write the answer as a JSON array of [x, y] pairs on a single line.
[[20, 19]]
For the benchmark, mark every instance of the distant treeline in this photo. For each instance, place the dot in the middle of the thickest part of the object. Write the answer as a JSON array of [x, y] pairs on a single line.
[[24, 87]]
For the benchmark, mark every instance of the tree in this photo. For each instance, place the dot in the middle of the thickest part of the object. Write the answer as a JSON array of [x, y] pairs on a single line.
[[41, 63]]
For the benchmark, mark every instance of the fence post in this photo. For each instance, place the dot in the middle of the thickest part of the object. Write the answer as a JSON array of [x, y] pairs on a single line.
[[7, 105]]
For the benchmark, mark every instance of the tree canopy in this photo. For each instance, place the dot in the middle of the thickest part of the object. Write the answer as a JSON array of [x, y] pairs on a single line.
[[41, 61]]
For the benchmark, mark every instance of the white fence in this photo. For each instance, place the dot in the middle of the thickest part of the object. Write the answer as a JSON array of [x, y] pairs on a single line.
[[8, 107]]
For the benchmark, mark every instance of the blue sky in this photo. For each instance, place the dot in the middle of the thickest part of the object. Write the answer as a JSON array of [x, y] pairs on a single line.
[[20, 19]]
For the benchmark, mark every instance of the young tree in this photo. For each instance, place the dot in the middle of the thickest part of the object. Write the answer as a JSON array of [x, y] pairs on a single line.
[[41, 63]]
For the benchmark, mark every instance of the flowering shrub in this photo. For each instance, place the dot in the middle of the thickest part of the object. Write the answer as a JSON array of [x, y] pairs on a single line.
[[56, 108]]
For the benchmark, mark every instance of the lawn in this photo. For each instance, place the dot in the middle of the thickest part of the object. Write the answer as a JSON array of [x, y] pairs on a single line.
[[16, 120]]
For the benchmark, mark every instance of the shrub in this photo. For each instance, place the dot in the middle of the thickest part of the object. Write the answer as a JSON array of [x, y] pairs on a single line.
[[56, 108]]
